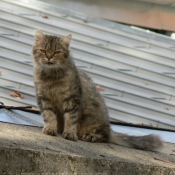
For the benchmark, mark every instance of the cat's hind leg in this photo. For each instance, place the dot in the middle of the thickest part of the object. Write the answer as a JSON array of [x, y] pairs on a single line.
[[95, 133]]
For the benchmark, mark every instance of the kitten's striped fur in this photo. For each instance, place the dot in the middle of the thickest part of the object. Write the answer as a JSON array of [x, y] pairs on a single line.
[[69, 101]]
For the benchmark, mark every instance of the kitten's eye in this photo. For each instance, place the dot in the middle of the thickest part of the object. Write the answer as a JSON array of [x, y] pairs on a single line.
[[43, 51], [57, 52]]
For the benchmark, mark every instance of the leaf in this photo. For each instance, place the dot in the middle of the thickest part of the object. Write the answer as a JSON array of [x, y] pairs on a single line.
[[16, 95], [85, 21], [45, 16], [167, 108], [0, 73], [100, 88]]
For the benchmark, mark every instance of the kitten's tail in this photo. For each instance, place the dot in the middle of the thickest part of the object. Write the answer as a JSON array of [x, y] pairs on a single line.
[[149, 142]]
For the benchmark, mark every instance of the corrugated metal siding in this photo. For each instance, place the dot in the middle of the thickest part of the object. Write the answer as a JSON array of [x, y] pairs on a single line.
[[136, 72]]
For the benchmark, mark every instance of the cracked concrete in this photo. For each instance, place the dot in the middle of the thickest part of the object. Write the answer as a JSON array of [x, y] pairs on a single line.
[[26, 150]]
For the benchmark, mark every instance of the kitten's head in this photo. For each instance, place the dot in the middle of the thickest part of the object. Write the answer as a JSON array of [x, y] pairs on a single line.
[[50, 51]]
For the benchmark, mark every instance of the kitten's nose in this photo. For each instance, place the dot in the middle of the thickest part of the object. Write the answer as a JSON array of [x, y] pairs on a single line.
[[48, 57]]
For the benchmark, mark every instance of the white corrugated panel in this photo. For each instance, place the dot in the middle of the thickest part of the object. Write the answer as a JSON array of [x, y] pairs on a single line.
[[136, 69]]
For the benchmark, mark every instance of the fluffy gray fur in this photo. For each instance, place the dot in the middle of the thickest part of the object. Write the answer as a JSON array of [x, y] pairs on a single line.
[[69, 101]]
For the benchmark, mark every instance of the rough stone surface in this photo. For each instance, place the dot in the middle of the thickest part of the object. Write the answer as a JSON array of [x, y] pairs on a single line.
[[26, 150]]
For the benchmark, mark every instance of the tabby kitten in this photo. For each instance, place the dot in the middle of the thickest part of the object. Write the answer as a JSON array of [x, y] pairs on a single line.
[[70, 102]]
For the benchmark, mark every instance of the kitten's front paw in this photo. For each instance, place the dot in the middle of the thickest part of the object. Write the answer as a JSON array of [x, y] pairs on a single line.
[[70, 136], [49, 130]]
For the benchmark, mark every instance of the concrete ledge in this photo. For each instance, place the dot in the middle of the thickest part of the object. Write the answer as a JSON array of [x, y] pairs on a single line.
[[25, 150]]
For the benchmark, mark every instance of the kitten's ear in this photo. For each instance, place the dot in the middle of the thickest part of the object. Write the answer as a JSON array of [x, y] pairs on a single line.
[[66, 40], [38, 35]]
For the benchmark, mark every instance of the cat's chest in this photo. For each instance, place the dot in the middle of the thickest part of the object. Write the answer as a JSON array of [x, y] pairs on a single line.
[[55, 92]]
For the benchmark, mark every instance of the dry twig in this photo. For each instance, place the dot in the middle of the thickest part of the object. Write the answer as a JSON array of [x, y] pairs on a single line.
[[52, 149], [110, 146], [166, 161], [22, 108]]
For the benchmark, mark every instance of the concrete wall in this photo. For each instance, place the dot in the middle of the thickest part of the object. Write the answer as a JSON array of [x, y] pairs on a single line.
[[158, 15]]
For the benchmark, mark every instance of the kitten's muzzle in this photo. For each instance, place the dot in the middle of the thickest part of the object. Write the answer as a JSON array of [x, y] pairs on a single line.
[[49, 63]]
